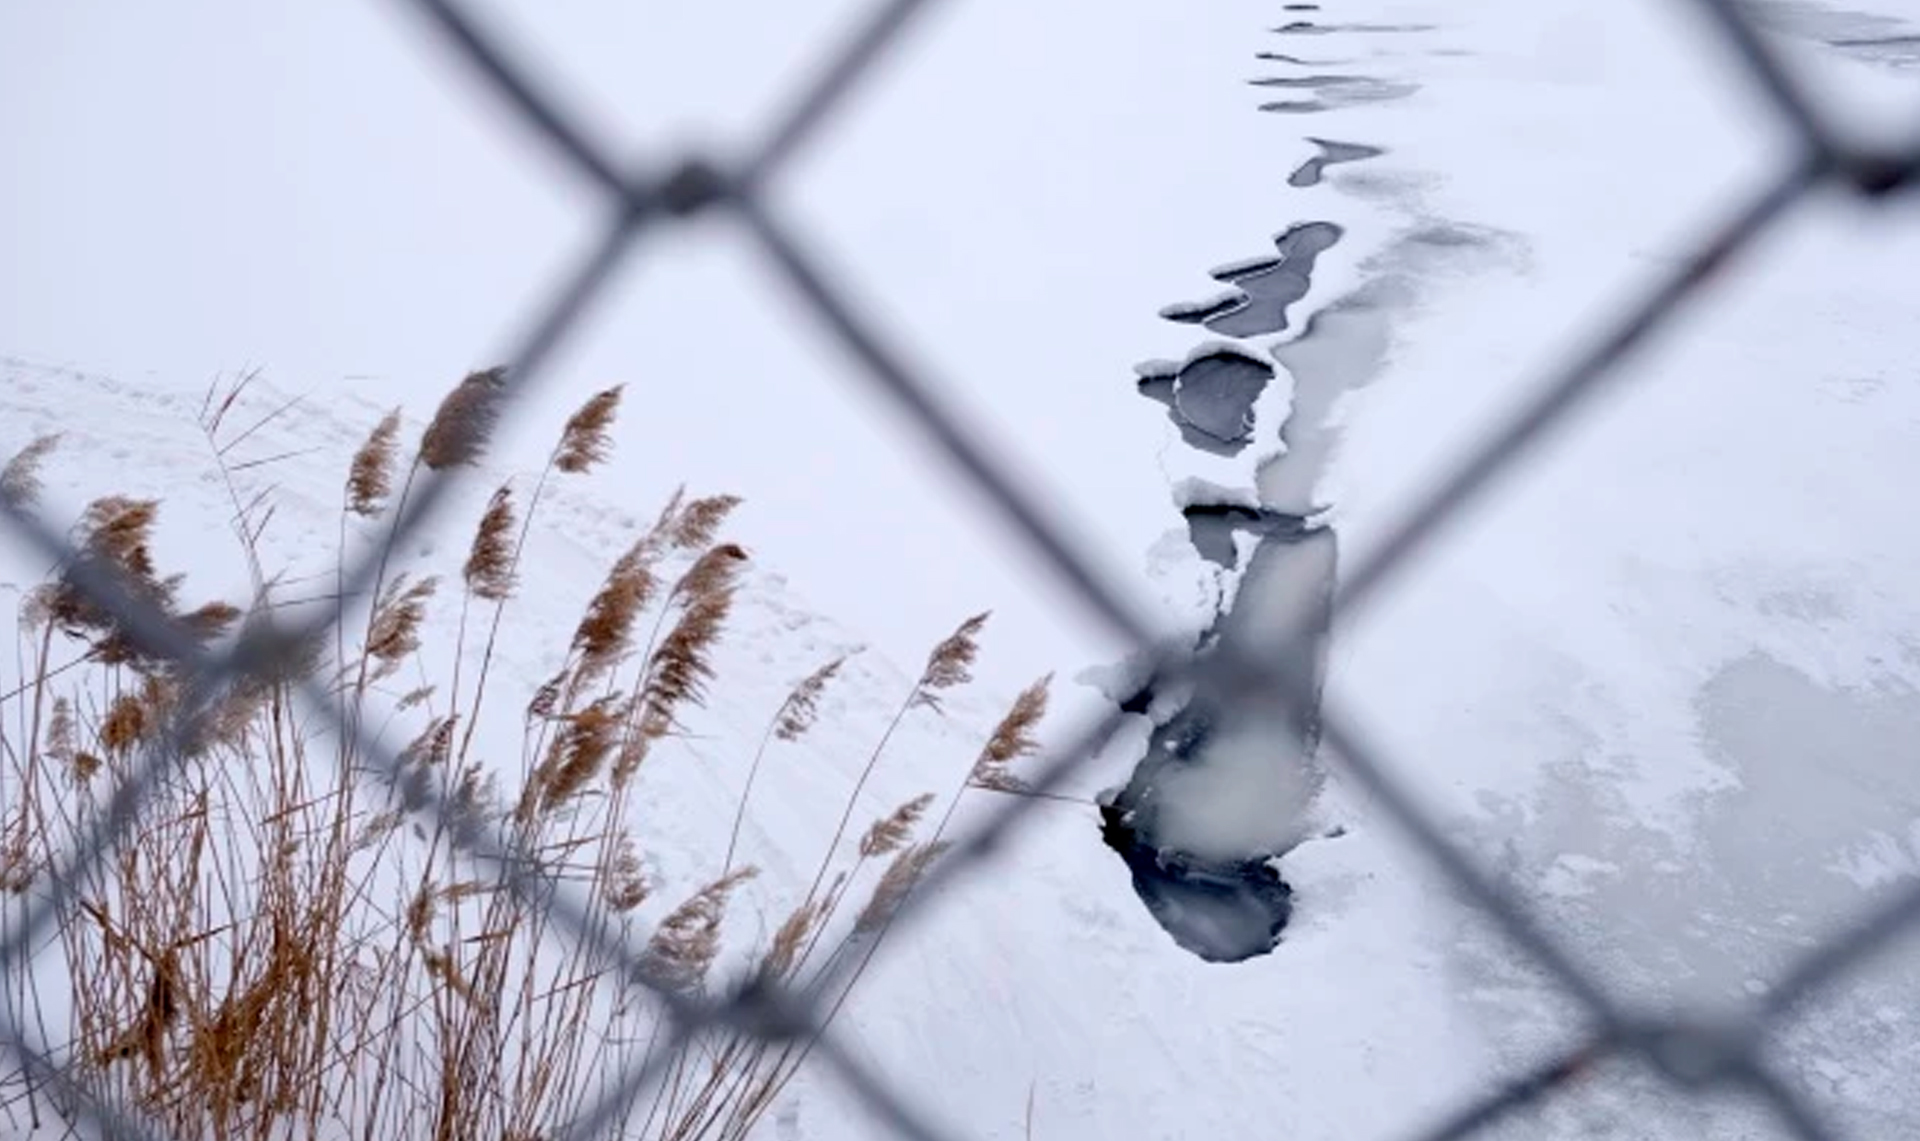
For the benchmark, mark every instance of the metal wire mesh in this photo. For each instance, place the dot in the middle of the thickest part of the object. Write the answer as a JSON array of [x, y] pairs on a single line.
[[1691, 1053]]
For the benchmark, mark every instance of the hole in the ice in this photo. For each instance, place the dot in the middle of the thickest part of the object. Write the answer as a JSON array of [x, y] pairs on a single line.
[[1223, 788], [1221, 912], [1212, 527], [1264, 287], [1334, 91], [1309, 28], [1282, 57], [1332, 153], [1315, 81], [1212, 399]]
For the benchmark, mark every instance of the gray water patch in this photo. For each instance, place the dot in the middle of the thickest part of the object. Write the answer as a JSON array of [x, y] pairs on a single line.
[[1332, 153], [1309, 28], [1213, 528], [1224, 787], [1282, 57], [1816, 821], [1223, 912], [1332, 92], [1343, 348], [1311, 81], [1209, 397], [1820, 813], [1828, 798], [1214, 395], [1885, 41], [1154, 380], [1264, 287]]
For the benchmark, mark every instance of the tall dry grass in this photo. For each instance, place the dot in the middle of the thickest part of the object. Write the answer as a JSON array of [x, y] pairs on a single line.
[[284, 946]]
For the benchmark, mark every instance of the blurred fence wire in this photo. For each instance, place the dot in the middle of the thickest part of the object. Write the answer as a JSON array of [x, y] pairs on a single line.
[[1691, 1051]]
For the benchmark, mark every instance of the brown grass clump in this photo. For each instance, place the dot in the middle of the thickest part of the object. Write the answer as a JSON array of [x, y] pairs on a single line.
[[290, 941], [114, 536]]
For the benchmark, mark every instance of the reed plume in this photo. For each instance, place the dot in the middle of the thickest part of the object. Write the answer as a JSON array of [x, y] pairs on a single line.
[[1012, 739], [625, 886], [695, 524], [680, 668], [395, 631], [795, 933], [802, 707], [606, 630], [951, 662], [464, 424], [489, 569], [20, 484], [685, 944], [890, 832], [580, 751], [896, 883], [370, 474], [586, 442]]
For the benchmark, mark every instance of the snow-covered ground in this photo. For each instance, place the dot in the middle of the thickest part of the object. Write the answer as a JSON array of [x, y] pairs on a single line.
[[1665, 681]]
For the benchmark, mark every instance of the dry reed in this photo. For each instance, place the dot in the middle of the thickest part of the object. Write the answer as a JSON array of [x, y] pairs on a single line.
[[20, 485], [284, 947], [370, 473], [802, 706], [489, 570], [463, 425], [1012, 739], [586, 441], [951, 662]]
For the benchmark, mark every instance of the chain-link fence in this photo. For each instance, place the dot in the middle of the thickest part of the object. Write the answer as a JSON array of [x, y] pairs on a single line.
[[1690, 1051]]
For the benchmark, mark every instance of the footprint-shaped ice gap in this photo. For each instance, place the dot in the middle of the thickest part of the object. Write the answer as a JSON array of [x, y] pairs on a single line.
[[1213, 528], [1210, 396], [1309, 28], [1332, 153], [1331, 92], [1264, 287], [1227, 786]]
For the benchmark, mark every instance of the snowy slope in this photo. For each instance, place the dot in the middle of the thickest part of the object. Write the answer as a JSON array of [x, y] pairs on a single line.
[[1665, 682], [990, 1018]]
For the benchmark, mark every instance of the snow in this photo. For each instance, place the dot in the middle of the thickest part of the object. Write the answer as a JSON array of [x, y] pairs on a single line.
[[1663, 682]]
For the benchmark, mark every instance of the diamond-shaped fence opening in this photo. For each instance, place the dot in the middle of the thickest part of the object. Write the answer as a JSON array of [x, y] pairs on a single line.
[[1688, 1051]]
